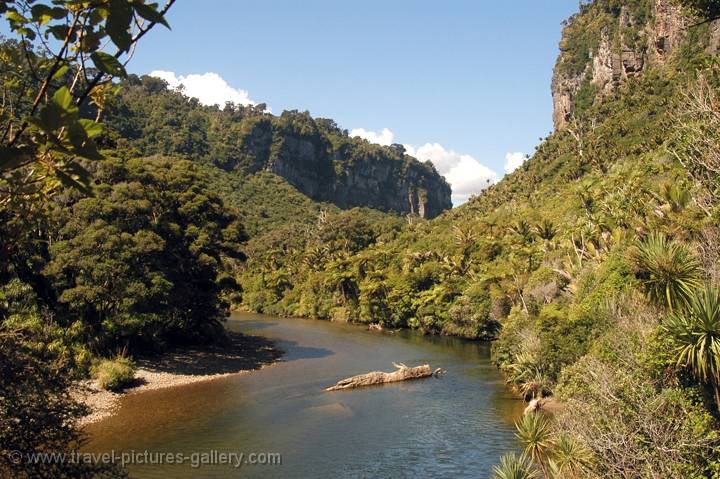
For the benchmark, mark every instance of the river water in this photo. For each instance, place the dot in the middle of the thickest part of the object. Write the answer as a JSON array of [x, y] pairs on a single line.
[[454, 426]]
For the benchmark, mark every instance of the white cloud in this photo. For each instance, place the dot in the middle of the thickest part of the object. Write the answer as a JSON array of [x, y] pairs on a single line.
[[385, 137], [466, 175], [513, 161], [209, 88], [444, 160]]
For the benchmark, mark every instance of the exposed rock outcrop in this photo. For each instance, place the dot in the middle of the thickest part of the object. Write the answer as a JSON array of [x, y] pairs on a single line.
[[667, 30], [606, 44], [327, 165]]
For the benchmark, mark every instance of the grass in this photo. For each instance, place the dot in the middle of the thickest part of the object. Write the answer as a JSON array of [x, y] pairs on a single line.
[[114, 374]]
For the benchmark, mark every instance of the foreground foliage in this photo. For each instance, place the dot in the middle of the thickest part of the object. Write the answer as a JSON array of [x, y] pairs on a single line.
[[38, 413]]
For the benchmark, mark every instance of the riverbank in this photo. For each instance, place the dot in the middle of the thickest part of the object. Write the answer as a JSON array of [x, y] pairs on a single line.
[[240, 354]]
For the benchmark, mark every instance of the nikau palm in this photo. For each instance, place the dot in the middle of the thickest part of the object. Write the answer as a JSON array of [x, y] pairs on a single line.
[[696, 334]]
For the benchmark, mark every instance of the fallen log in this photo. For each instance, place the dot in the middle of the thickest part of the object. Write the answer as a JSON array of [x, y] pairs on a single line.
[[403, 373], [534, 406]]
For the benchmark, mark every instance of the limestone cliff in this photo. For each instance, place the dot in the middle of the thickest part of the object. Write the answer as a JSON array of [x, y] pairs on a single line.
[[324, 163], [610, 41], [314, 155]]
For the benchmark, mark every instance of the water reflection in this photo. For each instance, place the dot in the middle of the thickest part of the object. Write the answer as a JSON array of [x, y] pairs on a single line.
[[454, 426]]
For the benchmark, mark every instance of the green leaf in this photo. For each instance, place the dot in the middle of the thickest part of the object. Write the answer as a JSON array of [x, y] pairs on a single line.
[[149, 12], [58, 13], [61, 72], [118, 23], [15, 18], [26, 32], [49, 119], [73, 181], [75, 132], [44, 14], [108, 64], [91, 41], [63, 98], [89, 151], [58, 31], [92, 128], [78, 171]]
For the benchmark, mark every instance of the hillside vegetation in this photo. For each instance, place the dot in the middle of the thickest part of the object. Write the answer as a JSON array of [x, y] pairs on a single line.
[[594, 266], [132, 218], [314, 155]]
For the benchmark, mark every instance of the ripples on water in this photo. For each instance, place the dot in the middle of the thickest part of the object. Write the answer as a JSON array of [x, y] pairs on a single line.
[[454, 426]]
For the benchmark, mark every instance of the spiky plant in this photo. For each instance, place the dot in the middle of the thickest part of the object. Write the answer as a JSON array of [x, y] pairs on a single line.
[[676, 197], [522, 230], [667, 269], [696, 335], [554, 471], [534, 432], [513, 466], [535, 385], [522, 367], [545, 230], [570, 456]]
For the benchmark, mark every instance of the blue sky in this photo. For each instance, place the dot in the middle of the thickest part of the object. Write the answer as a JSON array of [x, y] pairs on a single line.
[[472, 76]]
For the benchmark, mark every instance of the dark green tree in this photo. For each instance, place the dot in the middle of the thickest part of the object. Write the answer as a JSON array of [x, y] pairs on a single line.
[[141, 261]]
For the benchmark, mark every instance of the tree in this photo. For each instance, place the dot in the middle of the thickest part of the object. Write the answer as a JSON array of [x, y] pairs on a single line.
[[533, 431], [38, 414], [708, 10], [545, 230], [696, 335], [570, 456], [48, 82], [522, 230], [56, 73], [697, 146], [141, 262]]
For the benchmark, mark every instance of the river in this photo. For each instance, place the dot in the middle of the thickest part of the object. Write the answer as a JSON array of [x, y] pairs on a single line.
[[457, 425]]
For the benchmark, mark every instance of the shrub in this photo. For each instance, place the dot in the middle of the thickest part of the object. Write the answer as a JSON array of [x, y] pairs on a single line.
[[38, 413], [470, 315], [696, 337], [667, 269], [513, 466], [114, 374]]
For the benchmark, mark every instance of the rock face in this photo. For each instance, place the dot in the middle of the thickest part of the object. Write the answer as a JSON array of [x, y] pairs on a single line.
[[327, 165], [606, 44], [314, 155]]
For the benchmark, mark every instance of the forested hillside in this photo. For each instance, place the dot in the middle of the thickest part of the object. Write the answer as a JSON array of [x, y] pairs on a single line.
[[594, 266], [132, 218], [313, 155], [125, 211]]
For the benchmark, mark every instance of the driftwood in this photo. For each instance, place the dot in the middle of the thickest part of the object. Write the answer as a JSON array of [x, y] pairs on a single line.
[[548, 404], [534, 406], [403, 373]]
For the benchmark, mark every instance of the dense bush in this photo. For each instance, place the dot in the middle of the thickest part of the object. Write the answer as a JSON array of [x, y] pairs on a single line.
[[139, 263], [38, 414]]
